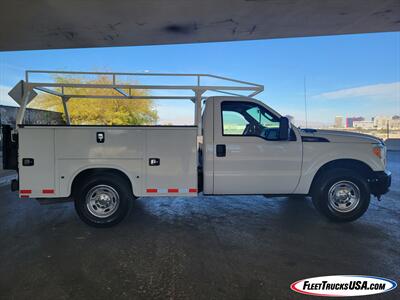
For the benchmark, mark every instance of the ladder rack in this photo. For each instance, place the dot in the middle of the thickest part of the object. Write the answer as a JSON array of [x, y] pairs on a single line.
[[24, 92]]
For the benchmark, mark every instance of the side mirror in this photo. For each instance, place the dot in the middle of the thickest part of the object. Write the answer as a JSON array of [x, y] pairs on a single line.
[[284, 129]]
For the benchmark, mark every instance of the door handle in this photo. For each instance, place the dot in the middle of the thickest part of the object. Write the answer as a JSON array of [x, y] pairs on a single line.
[[221, 150]]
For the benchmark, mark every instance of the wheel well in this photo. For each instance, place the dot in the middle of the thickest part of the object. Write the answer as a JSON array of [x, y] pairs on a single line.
[[97, 171], [352, 164]]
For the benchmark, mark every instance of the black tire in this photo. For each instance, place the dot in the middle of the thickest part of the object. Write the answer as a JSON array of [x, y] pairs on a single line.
[[113, 189], [335, 210]]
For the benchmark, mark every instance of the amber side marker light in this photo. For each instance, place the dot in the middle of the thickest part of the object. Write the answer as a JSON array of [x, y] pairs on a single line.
[[377, 151]]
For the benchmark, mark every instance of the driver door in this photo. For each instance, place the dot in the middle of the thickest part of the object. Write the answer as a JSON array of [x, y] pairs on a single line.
[[249, 158]]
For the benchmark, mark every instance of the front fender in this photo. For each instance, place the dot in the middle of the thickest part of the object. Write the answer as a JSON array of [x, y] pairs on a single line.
[[316, 155]]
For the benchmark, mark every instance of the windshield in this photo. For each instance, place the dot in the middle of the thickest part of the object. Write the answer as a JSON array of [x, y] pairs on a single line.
[[262, 118]]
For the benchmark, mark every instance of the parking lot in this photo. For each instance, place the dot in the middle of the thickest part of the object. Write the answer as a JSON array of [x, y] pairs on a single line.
[[247, 247]]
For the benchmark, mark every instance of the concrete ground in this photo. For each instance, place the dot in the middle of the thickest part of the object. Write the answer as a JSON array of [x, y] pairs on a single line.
[[196, 248], [5, 175]]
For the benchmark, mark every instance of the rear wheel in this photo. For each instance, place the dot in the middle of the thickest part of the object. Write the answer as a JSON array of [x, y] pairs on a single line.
[[341, 195], [103, 200]]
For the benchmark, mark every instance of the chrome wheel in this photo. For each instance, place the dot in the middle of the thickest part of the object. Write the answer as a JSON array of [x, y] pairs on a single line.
[[102, 201], [344, 196]]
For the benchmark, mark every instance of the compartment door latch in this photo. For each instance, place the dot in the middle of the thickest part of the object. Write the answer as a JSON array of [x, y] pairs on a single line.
[[100, 137], [154, 162]]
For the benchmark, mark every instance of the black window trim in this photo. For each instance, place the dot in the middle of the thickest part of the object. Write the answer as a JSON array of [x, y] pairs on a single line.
[[293, 137]]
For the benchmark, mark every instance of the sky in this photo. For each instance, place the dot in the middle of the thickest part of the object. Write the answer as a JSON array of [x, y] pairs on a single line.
[[347, 75]]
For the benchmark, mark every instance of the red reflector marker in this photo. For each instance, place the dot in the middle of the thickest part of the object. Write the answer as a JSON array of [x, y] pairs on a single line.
[[48, 191], [192, 190], [173, 190], [151, 190], [25, 191]]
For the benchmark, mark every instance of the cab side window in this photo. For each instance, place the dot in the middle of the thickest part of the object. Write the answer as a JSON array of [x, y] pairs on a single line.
[[233, 123], [248, 119]]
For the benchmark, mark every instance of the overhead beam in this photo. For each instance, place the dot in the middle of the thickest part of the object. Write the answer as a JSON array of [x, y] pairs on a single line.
[[43, 24]]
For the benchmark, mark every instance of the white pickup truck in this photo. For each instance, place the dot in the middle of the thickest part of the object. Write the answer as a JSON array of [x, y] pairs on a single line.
[[238, 146]]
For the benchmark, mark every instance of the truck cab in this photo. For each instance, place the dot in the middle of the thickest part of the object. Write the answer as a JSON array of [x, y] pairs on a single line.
[[238, 145], [249, 148]]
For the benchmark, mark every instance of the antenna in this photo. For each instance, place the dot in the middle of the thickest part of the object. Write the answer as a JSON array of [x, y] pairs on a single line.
[[305, 101]]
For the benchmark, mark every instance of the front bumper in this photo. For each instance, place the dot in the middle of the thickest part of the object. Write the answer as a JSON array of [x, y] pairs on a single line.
[[380, 182]]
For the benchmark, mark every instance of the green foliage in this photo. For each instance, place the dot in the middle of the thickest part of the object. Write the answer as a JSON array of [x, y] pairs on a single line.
[[86, 111]]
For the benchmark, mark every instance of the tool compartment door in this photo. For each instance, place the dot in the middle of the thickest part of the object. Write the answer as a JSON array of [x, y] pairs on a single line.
[[171, 161], [36, 180]]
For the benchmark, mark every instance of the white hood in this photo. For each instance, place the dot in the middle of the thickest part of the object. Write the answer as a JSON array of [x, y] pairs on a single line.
[[335, 136]]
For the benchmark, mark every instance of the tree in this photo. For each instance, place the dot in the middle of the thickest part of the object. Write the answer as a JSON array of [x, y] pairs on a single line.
[[87, 111]]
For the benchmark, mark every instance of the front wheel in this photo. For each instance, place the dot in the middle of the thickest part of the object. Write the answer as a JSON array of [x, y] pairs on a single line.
[[103, 201], [342, 195]]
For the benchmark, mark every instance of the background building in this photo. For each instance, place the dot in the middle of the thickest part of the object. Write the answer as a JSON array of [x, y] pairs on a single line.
[[394, 123], [350, 121], [381, 122], [338, 122], [363, 124]]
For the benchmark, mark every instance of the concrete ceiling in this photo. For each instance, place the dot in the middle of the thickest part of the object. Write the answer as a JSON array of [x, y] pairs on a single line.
[[47, 24]]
